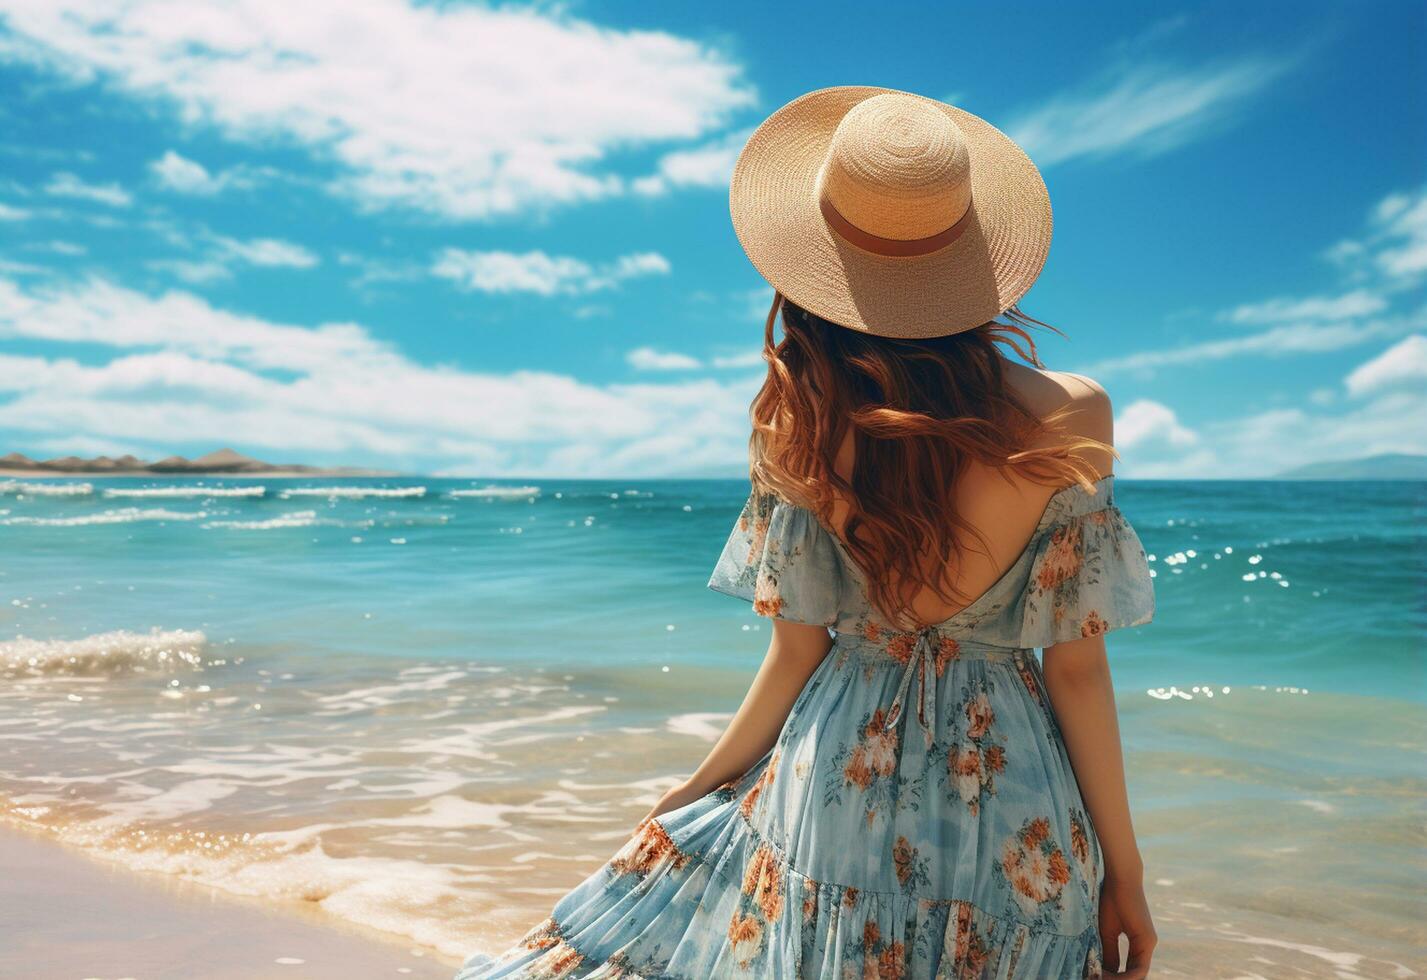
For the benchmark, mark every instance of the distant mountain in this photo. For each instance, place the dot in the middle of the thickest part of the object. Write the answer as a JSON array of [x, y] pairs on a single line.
[[1387, 466], [224, 462]]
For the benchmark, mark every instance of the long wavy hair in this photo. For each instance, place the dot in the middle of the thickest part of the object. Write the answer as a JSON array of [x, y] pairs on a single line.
[[919, 412]]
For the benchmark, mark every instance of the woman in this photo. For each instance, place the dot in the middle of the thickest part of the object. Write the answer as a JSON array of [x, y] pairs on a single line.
[[906, 791]]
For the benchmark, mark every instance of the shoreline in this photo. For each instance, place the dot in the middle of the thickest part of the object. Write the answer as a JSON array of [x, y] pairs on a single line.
[[13, 474], [66, 912]]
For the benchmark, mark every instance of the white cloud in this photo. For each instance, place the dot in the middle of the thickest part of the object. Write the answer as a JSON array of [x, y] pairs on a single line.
[[70, 185], [184, 369], [216, 260], [8, 213], [537, 272], [193, 272], [1394, 247], [464, 111], [1304, 338], [60, 247], [184, 176], [1381, 262], [710, 165], [1142, 109], [268, 252], [1403, 363], [750, 359], [1146, 421], [1388, 397], [649, 359], [1357, 303]]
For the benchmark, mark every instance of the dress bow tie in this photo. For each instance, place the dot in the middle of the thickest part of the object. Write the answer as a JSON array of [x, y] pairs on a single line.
[[922, 666]]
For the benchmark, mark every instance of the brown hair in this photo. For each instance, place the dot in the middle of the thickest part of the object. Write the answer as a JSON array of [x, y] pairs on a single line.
[[919, 411]]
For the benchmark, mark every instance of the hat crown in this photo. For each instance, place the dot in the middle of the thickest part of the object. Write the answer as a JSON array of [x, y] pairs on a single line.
[[898, 168]]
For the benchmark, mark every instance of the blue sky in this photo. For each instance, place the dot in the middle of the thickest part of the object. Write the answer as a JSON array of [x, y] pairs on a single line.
[[463, 239]]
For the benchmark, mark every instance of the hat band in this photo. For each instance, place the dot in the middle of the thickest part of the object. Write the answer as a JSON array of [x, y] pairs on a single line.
[[896, 248]]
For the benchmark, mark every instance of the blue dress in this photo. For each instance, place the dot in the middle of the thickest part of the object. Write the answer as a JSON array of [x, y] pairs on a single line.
[[917, 816]]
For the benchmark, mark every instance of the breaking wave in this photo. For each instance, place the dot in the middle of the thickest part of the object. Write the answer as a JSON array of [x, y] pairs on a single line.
[[124, 515], [22, 488], [106, 653], [354, 493], [496, 493], [186, 492]]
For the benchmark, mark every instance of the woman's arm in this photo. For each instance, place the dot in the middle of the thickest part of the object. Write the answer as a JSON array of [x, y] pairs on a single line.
[[793, 654], [1077, 675]]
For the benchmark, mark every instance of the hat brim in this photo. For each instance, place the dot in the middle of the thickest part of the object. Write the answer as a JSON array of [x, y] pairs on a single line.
[[773, 199]]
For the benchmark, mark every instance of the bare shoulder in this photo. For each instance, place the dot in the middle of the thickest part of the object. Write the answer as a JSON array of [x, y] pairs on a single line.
[[1090, 414]]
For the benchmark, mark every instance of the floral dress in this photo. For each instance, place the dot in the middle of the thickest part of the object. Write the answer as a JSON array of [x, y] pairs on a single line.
[[917, 816]]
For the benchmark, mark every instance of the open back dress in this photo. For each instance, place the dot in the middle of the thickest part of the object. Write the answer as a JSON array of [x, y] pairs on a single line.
[[917, 816]]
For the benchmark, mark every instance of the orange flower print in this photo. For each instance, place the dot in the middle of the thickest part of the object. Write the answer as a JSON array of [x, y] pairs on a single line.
[[872, 632], [1028, 678], [1062, 559], [649, 846], [891, 964], [964, 764], [1034, 866], [881, 961], [849, 898], [766, 600], [561, 961], [881, 750], [994, 759], [857, 771], [1080, 847], [750, 799], [871, 933], [1093, 625], [972, 952], [1099, 517], [875, 754], [745, 933], [760, 534], [763, 879], [903, 857], [543, 936], [810, 899], [900, 647], [947, 651], [979, 716]]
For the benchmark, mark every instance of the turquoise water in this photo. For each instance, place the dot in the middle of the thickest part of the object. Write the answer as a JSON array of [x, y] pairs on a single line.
[[304, 689]]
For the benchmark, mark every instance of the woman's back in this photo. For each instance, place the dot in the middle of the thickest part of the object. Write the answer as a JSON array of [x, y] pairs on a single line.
[[1001, 504]]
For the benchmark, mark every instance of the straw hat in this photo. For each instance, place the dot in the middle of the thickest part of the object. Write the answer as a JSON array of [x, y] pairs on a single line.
[[890, 213]]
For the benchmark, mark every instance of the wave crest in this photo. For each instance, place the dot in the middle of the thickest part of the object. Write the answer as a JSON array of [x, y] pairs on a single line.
[[105, 653], [185, 492], [23, 488], [354, 493], [496, 493]]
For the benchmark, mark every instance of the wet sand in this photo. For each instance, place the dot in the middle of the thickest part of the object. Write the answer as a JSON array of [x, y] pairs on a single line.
[[65, 915]]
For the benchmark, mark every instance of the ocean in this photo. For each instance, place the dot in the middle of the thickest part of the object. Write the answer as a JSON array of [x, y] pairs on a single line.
[[432, 706]]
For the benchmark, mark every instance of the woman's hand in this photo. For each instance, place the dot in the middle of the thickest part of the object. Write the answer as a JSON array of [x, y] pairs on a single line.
[[681, 795], [1123, 908]]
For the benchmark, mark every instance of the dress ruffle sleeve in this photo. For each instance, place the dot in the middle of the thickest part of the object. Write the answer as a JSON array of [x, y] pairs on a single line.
[[1089, 575], [781, 559]]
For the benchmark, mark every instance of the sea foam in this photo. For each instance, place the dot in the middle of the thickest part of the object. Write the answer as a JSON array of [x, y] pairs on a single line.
[[354, 493], [496, 493], [22, 488], [123, 515], [105, 653], [185, 492]]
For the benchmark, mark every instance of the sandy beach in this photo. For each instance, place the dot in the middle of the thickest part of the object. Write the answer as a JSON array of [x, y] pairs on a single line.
[[66, 915]]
